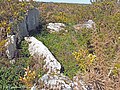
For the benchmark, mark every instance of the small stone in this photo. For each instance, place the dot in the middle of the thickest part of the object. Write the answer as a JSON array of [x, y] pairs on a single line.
[[89, 24], [12, 61]]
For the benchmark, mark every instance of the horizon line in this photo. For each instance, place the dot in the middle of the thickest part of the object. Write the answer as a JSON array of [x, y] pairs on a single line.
[[62, 2]]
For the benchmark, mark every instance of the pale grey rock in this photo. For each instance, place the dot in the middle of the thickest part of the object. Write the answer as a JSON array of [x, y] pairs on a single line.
[[118, 1], [33, 88], [57, 82], [89, 25], [11, 46], [32, 19], [55, 27], [45, 78], [38, 48], [12, 61], [53, 79]]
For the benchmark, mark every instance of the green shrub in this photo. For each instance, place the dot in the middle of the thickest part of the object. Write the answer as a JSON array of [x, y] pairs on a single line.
[[9, 77], [24, 52]]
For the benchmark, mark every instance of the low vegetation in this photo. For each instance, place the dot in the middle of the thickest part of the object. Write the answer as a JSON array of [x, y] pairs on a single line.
[[92, 54], [100, 44], [62, 45]]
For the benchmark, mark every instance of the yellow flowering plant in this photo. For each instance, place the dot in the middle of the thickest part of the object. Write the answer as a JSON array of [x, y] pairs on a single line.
[[28, 77], [91, 58], [84, 59]]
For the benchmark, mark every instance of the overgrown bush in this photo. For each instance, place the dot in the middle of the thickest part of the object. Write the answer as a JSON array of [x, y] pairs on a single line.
[[23, 51]]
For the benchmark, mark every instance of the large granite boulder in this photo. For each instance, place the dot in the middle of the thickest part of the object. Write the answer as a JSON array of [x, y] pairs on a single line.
[[40, 50]]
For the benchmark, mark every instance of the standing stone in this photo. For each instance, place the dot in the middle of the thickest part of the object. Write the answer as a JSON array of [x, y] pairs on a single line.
[[22, 30], [32, 19]]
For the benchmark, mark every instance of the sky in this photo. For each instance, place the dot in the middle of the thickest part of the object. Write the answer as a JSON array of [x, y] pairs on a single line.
[[67, 1]]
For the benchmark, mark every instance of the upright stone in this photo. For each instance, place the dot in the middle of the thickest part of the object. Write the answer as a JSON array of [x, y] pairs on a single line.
[[32, 19], [22, 30]]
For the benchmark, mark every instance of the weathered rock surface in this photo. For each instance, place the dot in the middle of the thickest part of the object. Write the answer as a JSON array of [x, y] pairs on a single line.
[[11, 46], [55, 27], [28, 24], [56, 82], [89, 24], [32, 19], [22, 30], [39, 49], [53, 79]]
